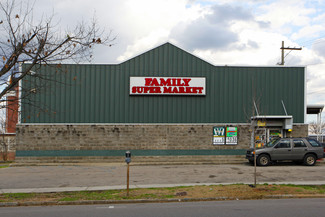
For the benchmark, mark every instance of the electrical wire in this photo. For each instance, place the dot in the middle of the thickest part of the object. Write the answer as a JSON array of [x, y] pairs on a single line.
[[311, 41], [287, 54], [316, 91]]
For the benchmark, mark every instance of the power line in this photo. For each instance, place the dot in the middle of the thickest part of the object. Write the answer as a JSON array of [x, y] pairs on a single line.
[[315, 64], [318, 41], [311, 41], [316, 91]]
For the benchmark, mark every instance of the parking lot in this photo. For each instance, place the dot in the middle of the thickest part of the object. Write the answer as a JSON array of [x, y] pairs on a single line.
[[115, 175]]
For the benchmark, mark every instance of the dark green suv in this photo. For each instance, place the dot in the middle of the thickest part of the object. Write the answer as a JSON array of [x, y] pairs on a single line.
[[304, 150]]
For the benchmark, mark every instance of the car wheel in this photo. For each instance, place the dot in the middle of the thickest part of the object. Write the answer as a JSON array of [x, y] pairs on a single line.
[[310, 160], [263, 160]]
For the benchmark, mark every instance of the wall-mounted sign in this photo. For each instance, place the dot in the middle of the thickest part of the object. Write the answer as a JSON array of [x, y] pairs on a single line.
[[261, 123], [231, 136], [225, 136], [167, 86], [219, 135]]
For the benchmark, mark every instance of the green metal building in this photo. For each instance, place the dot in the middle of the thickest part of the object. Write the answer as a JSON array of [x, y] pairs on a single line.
[[73, 95], [100, 93]]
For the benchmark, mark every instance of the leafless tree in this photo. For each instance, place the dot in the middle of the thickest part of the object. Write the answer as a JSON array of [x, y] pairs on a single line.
[[24, 40], [314, 128], [4, 146]]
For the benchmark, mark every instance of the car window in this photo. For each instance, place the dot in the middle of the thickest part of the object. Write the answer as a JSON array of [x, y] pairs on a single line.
[[271, 143], [314, 143], [283, 144], [298, 143]]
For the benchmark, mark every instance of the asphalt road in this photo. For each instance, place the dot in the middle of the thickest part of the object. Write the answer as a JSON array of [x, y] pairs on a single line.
[[249, 208], [115, 174]]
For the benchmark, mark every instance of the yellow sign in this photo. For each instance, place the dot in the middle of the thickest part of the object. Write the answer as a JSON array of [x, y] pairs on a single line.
[[261, 123]]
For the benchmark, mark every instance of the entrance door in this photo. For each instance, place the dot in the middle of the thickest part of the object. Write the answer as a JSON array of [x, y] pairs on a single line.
[[260, 137], [273, 133]]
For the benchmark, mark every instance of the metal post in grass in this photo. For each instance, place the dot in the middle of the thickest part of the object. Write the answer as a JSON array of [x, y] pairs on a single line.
[[255, 165], [128, 161]]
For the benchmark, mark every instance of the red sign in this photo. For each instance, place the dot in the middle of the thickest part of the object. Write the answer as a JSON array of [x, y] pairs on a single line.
[[167, 85]]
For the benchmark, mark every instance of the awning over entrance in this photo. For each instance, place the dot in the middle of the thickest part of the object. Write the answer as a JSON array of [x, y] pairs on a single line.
[[315, 109], [283, 121], [268, 127]]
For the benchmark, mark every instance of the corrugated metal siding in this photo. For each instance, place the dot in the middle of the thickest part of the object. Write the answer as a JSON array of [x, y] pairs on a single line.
[[100, 93]]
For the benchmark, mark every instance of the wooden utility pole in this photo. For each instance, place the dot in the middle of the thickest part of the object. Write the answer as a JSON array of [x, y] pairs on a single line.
[[286, 48]]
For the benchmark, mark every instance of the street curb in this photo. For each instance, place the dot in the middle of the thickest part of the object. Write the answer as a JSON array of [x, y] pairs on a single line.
[[17, 164], [123, 163], [104, 202]]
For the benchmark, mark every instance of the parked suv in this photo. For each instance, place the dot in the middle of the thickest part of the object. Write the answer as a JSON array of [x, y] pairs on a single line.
[[304, 150]]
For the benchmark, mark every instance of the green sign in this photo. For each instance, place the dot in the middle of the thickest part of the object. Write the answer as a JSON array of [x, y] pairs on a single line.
[[231, 136], [225, 136]]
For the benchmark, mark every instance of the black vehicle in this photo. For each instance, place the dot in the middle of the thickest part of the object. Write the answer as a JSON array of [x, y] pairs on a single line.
[[304, 150]]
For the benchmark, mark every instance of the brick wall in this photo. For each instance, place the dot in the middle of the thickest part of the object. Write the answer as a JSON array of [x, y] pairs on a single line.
[[12, 110]]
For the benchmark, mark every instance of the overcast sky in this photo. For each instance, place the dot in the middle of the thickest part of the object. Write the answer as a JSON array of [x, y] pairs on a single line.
[[223, 32]]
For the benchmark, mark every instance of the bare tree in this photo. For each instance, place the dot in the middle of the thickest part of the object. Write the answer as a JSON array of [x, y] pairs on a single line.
[[24, 40], [314, 128], [4, 144]]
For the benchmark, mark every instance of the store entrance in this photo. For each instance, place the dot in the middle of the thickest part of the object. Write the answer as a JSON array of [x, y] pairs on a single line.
[[264, 135], [269, 127]]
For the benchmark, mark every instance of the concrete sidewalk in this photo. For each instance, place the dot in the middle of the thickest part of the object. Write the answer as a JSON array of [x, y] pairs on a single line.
[[120, 187], [81, 177]]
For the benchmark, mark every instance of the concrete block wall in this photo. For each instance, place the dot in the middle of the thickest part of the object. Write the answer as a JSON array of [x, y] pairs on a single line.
[[149, 143], [299, 130]]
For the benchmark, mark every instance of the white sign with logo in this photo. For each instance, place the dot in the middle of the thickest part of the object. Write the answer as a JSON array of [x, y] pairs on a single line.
[[167, 86], [219, 135]]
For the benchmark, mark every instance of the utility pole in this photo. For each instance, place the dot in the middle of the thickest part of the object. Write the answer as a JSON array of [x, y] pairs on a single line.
[[286, 48]]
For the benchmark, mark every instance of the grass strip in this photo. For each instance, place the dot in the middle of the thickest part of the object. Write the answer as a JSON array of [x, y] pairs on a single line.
[[192, 192]]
